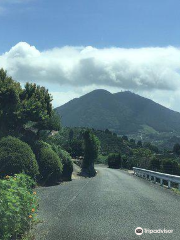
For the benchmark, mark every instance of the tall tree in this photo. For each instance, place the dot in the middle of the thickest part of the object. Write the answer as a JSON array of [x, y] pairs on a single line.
[[176, 149], [21, 107], [170, 166], [91, 150], [9, 103], [139, 143], [71, 135], [155, 164]]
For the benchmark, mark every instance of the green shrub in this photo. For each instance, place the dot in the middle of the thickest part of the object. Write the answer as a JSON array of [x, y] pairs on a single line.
[[114, 160], [66, 161], [170, 166], [17, 157], [155, 164], [18, 205], [50, 165], [102, 159]]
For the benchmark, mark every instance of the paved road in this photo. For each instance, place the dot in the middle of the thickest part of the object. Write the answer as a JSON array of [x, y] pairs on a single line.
[[109, 206]]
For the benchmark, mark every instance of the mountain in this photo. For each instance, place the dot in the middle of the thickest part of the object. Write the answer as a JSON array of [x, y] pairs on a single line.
[[123, 113]]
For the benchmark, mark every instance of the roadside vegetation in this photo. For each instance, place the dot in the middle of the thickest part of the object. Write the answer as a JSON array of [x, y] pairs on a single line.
[[18, 206], [91, 151], [132, 153], [27, 156]]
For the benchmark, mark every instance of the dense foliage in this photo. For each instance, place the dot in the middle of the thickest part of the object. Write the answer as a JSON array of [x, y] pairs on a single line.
[[67, 165], [50, 165], [133, 153], [91, 151], [27, 116], [19, 107], [18, 205], [114, 160], [70, 140], [16, 157], [66, 162], [176, 149], [9, 103]]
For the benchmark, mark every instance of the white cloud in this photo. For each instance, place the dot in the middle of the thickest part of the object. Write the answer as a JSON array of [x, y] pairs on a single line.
[[154, 72]]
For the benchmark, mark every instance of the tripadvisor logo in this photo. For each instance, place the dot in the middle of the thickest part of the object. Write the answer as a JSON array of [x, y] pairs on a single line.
[[139, 231]]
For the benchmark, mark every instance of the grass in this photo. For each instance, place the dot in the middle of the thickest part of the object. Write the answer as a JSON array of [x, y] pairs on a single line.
[[175, 190]]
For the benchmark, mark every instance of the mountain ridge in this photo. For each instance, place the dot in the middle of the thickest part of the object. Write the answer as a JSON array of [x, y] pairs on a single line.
[[122, 112]]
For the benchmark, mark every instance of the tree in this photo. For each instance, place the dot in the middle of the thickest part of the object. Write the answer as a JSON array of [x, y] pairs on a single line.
[[52, 123], [176, 149], [114, 160], [77, 148], [125, 138], [36, 106], [107, 131], [132, 141], [139, 143], [141, 157], [71, 135], [9, 103], [19, 107], [155, 164], [91, 151], [151, 147], [170, 166]]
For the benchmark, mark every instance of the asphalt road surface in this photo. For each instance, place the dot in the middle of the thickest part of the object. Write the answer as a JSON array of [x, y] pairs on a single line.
[[110, 206]]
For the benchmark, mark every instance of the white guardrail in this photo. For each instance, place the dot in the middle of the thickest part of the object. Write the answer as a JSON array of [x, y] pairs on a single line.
[[148, 174]]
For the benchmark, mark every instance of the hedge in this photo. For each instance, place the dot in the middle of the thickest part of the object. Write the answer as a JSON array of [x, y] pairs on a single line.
[[50, 165], [17, 157], [66, 161]]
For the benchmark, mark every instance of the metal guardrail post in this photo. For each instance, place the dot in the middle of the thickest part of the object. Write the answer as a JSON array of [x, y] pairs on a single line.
[[161, 181], [154, 180]]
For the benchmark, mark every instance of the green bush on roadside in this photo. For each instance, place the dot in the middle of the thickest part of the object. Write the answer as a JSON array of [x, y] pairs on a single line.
[[50, 165], [66, 161], [102, 159], [67, 165], [114, 160], [17, 157], [18, 205]]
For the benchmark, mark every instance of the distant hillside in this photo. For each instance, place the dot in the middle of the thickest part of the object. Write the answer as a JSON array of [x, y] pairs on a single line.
[[122, 112]]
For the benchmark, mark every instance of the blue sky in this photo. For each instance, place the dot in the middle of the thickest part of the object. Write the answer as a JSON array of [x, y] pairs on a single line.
[[75, 46], [99, 23]]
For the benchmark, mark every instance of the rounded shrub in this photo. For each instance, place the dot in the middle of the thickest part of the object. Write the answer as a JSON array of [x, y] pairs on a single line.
[[17, 157], [67, 165], [114, 160], [50, 165]]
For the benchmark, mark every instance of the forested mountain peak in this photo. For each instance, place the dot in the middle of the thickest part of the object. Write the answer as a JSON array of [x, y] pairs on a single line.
[[122, 112]]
